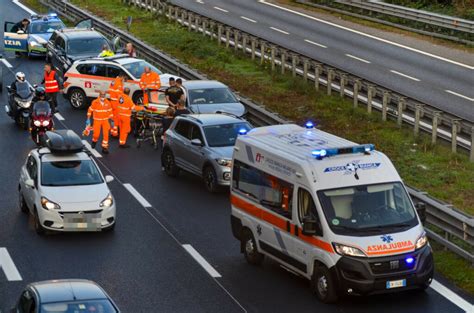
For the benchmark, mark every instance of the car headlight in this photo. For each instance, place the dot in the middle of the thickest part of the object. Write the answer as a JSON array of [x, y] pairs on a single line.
[[49, 205], [37, 123], [23, 104], [348, 250], [224, 162], [34, 44], [45, 123], [107, 202], [421, 242]]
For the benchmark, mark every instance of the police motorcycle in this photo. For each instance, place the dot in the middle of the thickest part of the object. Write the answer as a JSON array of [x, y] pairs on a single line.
[[20, 98], [41, 117]]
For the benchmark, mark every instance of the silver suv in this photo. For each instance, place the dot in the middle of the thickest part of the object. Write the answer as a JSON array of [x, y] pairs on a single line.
[[202, 144]]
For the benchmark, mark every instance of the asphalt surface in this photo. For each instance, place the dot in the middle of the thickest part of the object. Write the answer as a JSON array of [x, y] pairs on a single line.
[[142, 264], [439, 83]]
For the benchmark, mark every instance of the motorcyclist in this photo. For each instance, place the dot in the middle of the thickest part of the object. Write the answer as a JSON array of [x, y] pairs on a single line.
[[40, 96], [20, 77]]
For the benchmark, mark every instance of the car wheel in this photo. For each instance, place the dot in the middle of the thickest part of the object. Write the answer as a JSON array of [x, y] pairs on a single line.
[[21, 203], [210, 179], [249, 247], [38, 227], [323, 284], [77, 98], [169, 164]]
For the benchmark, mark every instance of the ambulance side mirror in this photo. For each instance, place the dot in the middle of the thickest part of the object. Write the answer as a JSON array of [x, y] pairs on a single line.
[[421, 210], [311, 227]]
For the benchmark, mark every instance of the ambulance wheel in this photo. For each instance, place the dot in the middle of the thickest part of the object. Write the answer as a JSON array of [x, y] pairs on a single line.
[[169, 164], [77, 98], [323, 284], [249, 247]]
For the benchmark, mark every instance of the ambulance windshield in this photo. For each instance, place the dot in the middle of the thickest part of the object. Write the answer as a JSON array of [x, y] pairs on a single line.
[[368, 209]]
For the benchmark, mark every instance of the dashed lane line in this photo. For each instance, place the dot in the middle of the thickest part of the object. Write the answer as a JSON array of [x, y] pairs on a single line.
[[357, 58], [6, 63], [137, 195], [315, 43], [459, 95], [221, 9], [279, 30], [451, 296], [405, 75], [198, 257], [59, 117], [93, 151], [248, 19], [8, 266]]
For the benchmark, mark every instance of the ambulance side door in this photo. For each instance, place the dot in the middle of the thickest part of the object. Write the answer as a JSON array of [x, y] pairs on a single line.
[[93, 78], [14, 41]]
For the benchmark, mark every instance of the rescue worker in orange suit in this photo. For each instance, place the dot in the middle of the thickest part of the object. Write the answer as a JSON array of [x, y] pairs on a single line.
[[115, 90], [124, 111], [52, 85], [101, 112], [149, 80]]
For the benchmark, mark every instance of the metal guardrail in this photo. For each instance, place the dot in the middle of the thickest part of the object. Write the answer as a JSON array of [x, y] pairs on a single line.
[[428, 23], [456, 226]]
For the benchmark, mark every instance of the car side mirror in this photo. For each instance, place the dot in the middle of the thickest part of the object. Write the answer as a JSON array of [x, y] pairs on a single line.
[[30, 183], [311, 227], [421, 210], [109, 178], [196, 142]]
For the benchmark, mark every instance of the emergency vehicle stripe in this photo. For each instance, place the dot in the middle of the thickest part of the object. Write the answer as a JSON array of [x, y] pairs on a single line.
[[410, 248], [278, 222]]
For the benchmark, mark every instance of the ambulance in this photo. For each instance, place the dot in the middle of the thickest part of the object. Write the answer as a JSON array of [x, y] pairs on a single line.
[[330, 210]]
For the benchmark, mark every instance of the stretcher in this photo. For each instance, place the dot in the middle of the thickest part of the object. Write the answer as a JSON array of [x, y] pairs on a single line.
[[148, 126]]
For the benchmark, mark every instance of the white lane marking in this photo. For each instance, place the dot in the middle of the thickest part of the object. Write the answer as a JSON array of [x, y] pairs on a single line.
[[200, 1], [7, 64], [59, 117], [24, 7], [451, 296], [357, 58], [405, 75], [221, 9], [137, 196], [369, 36], [248, 19], [279, 30], [315, 43], [208, 267], [93, 151], [9, 268], [459, 95]]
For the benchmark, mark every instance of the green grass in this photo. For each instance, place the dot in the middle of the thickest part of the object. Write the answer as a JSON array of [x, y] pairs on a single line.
[[433, 169], [463, 9]]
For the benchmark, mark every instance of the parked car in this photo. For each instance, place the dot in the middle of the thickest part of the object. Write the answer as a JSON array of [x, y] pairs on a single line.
[[202, 144], [64, 296]]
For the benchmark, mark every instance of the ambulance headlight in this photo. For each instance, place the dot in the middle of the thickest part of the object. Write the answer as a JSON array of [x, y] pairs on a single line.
[[421, 242], [348, 250], [224, 162]]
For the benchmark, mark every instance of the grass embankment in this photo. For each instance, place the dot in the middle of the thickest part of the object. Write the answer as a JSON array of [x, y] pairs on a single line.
[[430, 168], [459, 8]]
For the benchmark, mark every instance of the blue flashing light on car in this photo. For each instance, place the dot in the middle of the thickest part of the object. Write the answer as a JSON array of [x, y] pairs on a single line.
[[309, 125], [242, 131], [409, 260], [322, 153]]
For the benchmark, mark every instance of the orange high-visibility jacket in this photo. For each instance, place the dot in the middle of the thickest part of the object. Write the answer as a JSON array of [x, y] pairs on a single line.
[[150, 81], [126, 105], [50, 83], [115, 89], [100, 111]]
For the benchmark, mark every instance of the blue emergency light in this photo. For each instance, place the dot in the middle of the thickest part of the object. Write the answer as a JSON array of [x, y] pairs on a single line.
[[322, 153], [409, 260], [309, 125], [242, 131], [53, 14]]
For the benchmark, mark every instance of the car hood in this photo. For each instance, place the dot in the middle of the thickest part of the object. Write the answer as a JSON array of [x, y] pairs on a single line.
[[40, 38], [76, 194], [222, 152], [233, 108]]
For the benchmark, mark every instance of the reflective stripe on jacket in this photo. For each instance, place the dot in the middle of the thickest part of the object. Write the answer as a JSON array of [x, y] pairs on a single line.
[[126, 105], [50, 83], [150, 80], [100, 111], [115, 88]]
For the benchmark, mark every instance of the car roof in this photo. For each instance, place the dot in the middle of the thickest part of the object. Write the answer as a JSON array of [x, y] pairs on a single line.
[[212, 119], [117, 59], [47, 156], [202, 84], [75, 33], [67, 290]]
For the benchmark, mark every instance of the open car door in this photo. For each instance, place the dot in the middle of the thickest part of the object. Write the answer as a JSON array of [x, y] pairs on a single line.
[[14, 41], [84, 24], [116, 44]]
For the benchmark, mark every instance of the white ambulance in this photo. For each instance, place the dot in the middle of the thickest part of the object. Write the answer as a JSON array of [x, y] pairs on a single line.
[[330, 210]]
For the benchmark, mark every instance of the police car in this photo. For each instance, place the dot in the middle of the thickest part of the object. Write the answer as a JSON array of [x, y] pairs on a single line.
[[64, 189], [333, 211], [86, 77], [34, 41]]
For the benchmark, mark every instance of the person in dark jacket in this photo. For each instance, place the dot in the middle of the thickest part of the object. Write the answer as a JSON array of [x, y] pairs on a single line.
[[21, 25]]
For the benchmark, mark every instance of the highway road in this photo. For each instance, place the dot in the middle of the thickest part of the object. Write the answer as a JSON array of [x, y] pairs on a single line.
[[144, 264], [440, 82]]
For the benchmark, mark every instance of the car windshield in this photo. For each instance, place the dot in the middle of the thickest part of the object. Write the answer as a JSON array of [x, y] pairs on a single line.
[[96, 306], [45, 27], [224, 135], [86, 46], [137, 68], [370, 208], [70, 173], [211, 96]]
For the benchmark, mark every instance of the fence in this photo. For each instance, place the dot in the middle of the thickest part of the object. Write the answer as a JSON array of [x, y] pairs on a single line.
[[444, 217]]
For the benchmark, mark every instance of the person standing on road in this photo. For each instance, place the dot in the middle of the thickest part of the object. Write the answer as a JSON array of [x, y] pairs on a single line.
[[130, 50], [101, 112], [179, 84], [115, 90], [181, 109], [124, 112], [149, 80], [52, 84], [173, 93]]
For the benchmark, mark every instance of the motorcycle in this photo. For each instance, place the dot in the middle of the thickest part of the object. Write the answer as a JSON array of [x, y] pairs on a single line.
[[41, 121], [19, 103]]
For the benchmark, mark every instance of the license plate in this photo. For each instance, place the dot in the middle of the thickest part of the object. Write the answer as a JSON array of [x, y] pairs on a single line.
[[81, 225], [396, 283]]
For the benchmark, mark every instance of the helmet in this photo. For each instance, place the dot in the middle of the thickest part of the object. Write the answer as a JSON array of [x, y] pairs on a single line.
[[40, 92], [20, 76]]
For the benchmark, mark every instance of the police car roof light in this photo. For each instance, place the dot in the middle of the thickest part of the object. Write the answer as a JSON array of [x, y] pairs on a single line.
[[53, 14], [322, 153], [242, 131]]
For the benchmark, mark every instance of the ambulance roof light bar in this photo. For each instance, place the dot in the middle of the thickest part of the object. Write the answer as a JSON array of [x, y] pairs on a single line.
[[320, 154]]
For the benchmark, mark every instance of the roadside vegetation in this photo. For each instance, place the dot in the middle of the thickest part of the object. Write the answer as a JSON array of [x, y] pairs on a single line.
[[430, 168], [459, 8]]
